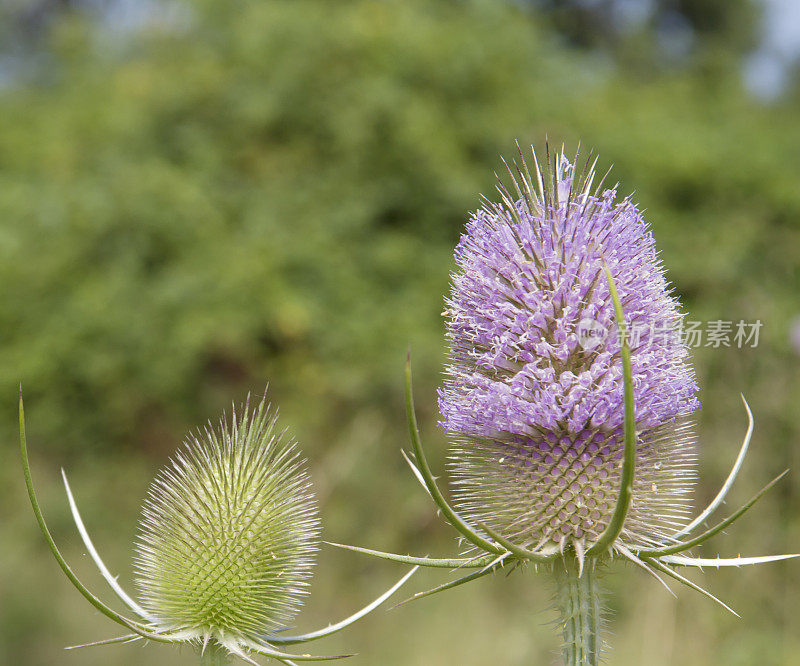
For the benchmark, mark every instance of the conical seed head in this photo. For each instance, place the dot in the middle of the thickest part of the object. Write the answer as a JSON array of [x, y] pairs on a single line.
[[534, 390], [563, 490], [228, 532]]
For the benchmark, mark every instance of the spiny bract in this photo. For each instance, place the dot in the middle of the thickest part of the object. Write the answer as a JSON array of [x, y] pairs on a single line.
[[228, 533], [534, 390]]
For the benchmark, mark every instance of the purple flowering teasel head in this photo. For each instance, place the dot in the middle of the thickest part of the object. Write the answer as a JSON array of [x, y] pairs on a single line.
[[570, 400], [534, 391]]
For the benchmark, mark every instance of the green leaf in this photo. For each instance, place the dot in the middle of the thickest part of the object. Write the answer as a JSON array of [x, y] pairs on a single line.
[[705, 536], [737, 465], [91, 598], [453, 563], [422, 462], [612, 531], [519, 551]]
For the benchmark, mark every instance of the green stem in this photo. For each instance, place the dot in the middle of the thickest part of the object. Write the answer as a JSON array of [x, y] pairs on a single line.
[[578, 597], [214, 655]]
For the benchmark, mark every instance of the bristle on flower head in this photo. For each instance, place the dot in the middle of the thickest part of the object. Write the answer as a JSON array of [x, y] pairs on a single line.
[[534, 390], [228, 533]]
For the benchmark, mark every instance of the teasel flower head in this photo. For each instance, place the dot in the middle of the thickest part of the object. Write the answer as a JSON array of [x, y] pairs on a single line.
[[227, 540], [534, 394], [228, 533], [569, 399]]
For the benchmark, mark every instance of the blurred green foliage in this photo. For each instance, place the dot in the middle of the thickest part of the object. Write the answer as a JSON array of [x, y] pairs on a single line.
[[270, 192], [632, 30]]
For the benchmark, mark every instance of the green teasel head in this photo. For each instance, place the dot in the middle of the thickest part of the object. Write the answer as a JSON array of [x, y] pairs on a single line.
[[227, 541], [229, 532]]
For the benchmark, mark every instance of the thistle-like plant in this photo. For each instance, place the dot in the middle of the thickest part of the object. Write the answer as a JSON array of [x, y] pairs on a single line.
[[572, 438], [226, 545]]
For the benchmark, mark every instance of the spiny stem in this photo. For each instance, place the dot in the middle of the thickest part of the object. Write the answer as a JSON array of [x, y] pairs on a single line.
[[578, 597], [214, 655]]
